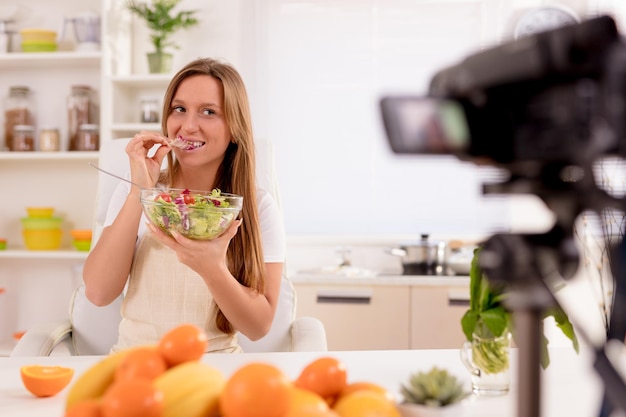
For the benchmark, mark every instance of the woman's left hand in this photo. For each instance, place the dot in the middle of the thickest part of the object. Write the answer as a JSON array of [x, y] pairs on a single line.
[[198, 254]]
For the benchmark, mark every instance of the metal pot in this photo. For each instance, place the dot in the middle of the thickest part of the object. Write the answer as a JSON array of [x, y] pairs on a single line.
[[425, 257]]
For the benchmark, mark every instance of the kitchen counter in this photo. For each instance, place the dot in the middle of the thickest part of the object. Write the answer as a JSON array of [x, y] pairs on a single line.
[[368, 278], [569, 385]]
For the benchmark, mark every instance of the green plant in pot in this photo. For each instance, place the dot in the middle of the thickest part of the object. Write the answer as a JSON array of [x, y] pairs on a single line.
[[432, 393], [163, 22], [488, 327]]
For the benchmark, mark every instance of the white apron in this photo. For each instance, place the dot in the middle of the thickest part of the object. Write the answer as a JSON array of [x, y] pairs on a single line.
[[163, 293]]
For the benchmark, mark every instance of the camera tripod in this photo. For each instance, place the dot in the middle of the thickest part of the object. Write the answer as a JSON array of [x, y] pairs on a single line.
[[531, 266]]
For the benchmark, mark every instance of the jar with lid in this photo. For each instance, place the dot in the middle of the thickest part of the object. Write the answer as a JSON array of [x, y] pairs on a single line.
[[79, 112], [49, 140], [88, 138], [17, 111], [149, 109], [23, 138]]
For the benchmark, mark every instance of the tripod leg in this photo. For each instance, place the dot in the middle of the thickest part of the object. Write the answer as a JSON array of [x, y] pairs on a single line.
[[617, 318], [529, 328]]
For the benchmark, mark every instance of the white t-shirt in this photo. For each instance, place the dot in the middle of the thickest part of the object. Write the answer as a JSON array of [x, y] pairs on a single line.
[[270, 217]]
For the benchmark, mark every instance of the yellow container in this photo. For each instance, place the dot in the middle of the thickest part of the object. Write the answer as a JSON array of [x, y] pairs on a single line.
[[42, 239], [38, 35], [42, 212]]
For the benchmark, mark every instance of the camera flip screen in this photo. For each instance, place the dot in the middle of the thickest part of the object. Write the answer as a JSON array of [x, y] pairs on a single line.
[[420, 125]]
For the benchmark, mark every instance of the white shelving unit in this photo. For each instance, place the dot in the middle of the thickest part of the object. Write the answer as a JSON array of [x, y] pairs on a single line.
[[127, 91], [38, 284]]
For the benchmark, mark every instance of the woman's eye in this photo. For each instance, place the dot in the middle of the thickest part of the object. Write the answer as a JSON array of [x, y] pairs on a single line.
[[208, 112], [179, 109]]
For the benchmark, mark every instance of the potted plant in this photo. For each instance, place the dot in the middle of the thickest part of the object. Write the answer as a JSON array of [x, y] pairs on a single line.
[[487, 326], [163, 22], [435, 393]]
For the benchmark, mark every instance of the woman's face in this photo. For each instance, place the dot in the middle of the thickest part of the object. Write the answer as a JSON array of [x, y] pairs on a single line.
[[197, 118]]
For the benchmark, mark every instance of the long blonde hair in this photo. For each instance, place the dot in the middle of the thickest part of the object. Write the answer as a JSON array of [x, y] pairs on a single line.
[[236, 175]]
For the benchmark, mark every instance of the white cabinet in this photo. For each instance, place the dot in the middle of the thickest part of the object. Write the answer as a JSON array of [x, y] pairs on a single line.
[[358, 317]]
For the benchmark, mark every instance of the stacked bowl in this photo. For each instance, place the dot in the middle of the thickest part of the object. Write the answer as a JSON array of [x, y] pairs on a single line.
[[38, 40], [81, 239], [41, 229]]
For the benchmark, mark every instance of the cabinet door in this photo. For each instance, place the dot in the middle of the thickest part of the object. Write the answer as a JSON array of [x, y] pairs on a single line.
[[358, 317], [436, 317]]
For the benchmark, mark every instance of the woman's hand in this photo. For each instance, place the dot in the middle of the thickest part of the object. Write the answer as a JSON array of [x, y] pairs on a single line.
[[199, 255], [145, 169]]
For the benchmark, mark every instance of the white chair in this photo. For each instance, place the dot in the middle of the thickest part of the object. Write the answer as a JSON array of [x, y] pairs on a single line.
[[92, 330]]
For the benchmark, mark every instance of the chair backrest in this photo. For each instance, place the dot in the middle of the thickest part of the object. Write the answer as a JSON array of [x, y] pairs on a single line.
[[91, 339]]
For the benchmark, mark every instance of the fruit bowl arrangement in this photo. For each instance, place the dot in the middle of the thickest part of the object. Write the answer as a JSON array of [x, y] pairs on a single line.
[[171, 379], [197, 215]]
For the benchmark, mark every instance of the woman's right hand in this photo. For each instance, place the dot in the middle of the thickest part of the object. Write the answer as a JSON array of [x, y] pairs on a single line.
[[145, 169]]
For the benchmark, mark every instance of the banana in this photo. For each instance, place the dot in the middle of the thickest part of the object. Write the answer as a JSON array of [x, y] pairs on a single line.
[[92, 383], [191, 389]]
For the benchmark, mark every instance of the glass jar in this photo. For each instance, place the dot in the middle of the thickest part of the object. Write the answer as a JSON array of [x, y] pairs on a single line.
[[79, 109], [23, 138], [17, 111], [88, 138], [49, 140], [149, 109]]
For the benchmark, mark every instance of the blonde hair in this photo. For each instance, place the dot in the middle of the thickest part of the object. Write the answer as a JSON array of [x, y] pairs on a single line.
[[236, 175]]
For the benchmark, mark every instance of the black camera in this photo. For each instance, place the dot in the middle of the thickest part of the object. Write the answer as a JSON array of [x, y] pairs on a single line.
[[556, 96], [546, 108]]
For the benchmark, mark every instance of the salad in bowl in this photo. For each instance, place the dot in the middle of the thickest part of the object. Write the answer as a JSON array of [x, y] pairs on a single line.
[[197, 215]]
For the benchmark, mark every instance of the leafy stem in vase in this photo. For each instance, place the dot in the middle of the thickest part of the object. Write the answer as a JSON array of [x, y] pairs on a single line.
[[487, 318]]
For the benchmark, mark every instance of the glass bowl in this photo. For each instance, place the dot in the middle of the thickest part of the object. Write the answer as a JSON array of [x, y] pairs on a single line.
[[199, 215]]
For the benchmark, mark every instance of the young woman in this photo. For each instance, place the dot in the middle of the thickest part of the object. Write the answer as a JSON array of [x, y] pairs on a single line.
[[224, 285]]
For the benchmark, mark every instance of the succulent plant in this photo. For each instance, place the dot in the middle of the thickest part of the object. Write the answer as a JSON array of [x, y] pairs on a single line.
[[435, 388]]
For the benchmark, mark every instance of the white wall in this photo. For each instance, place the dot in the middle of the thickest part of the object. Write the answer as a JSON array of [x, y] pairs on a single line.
[[324, 65], [315, 72]]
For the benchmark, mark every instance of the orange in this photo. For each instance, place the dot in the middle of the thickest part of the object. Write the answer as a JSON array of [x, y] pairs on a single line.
[[143, 362], [304, 399], [132, 398], [256, 390], [366, 403], [183, 343], [45, 381], [86, 408], [312, 412], [366, 385], [325, 376]]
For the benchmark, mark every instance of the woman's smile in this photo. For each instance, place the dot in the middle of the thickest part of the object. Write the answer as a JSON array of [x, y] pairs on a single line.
[[187, 144]]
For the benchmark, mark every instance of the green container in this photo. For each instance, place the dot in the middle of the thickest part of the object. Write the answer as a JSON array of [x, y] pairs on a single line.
[[41, 223], [39, 46]]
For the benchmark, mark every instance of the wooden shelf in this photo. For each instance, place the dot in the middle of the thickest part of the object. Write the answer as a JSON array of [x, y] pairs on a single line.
[[50, 156], [135, 127], [142, 80], [48, 59], [61, 254]]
